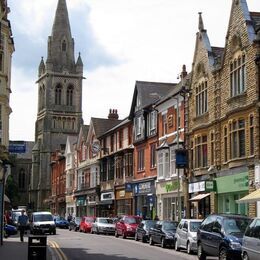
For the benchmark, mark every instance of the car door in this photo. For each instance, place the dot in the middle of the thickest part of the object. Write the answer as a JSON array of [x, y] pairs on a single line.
[[254, 241], [157, 231], [183, 234], [178, 233], [216, 236], [206, 233]]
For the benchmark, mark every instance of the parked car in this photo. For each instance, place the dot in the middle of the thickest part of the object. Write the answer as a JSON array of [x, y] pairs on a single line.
[[10, 230], [61, 222], [74, 224], [163, 233], [42, 222], [126, 226], [104, 226], [221, 235], [186, 235], [15, 213], [86, 224], [251, 241], [142, 230]]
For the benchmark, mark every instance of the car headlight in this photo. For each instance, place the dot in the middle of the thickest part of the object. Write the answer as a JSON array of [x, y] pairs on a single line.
[[129, 229], [169, 236], [235, 245]]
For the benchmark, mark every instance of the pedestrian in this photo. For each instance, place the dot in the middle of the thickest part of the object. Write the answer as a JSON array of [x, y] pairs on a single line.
[[69, 217], [22, 224]]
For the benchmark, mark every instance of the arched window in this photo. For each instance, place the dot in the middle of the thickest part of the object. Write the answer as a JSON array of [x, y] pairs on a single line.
[[21, 179], [58, 91], [70, 95], [63, 46]]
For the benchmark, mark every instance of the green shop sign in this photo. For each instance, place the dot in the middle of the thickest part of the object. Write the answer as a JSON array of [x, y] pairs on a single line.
[[171, 186], [232, 183]]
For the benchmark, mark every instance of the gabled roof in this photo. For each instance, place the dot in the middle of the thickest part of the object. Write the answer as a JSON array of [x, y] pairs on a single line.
[[122, 123], [85, 129], [71, 140], [149, 93], [101, 125]]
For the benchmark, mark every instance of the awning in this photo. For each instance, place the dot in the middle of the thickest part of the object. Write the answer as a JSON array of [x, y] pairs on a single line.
[[200, 197], [252, 197], [6, 199]]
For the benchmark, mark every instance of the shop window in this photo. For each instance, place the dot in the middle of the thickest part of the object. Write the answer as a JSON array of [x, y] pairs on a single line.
[[251, 135], [201, 97], [153, 155], [140, 159], [238, 76], [201, 151], [237, 139]]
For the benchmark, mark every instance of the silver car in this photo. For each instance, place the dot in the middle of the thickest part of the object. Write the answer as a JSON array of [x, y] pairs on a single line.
[[104, 226], [186, 235], [251, 241]]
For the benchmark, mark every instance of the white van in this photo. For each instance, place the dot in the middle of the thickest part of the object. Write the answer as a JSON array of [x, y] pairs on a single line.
[[42, 222]]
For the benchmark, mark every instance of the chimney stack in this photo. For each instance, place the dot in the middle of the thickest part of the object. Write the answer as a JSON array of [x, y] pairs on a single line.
[[112, 114]]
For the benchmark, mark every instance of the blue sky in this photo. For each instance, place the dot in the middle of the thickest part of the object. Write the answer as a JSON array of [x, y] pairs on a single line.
[[120, 41]]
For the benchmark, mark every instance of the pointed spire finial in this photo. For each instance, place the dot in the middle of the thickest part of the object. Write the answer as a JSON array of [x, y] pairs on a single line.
[[201, 25]]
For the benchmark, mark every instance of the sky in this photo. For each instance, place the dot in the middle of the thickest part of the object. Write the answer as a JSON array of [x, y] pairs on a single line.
[[120, 41]]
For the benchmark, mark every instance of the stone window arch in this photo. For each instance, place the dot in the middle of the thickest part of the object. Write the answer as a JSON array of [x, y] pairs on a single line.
[[58, 94], [69, 97], [64, 45]]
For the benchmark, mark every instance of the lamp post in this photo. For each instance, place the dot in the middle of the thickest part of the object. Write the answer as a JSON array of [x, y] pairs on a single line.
[[2, 192]]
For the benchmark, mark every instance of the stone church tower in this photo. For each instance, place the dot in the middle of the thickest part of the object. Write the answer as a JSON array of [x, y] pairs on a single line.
[[59, 105]]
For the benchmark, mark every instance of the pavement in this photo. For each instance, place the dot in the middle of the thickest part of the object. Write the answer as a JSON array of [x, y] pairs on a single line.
[[13, 249]]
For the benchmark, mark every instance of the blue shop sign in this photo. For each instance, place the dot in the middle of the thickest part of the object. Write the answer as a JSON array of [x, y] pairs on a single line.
[[143, 188], [128, 187]]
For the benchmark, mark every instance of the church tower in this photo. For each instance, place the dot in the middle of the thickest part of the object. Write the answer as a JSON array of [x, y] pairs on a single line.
[[59, 104]]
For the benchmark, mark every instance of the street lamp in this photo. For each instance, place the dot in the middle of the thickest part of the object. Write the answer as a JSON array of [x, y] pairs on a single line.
[[2, 192]]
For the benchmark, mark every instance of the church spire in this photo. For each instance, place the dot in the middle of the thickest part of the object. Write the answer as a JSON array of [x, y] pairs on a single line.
[[60, 43], [201, 25]]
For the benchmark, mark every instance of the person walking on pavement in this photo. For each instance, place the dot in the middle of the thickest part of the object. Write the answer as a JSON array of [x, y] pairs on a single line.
[[22, 223]]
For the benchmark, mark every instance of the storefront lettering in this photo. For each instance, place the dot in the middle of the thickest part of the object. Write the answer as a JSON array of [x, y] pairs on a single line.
[[171, 186]]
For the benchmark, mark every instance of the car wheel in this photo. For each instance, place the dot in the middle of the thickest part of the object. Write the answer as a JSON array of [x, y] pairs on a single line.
[[136, 237], [245, 256], [116, 234], [163, 244], [222, 254], [151, 241], [201, 254], [97, 232], [189, 251], [176, 247], [54, 232], [144, 240], [124, 235]]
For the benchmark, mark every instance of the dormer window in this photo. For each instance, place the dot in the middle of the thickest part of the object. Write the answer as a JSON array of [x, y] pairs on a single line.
[[64, 46]]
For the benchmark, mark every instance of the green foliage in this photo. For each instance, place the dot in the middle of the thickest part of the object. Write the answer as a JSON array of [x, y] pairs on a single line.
[[11, 189]]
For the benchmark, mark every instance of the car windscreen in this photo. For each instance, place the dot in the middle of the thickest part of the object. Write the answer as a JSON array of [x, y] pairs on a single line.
[[235, 225], [194, 226], [150, 223], [170, 225], [89, 220], [132, 220], [77, 220], [105, 221], [43, 217]]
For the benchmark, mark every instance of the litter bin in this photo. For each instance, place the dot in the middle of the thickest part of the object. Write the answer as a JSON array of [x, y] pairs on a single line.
[[37, 247]]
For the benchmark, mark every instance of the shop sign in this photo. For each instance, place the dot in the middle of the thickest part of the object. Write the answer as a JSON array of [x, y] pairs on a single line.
[[209, 186], [143, 188], [107, 196], [202, 186], [81, 201], [232, 183], [171, 186], [122, 193]]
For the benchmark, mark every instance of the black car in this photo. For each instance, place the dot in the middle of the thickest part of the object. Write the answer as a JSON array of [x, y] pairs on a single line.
[[221, 235], [142, 231], [163, 233], [74, 224]]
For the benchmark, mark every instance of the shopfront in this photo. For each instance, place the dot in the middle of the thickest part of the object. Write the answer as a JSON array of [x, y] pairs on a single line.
[[70, 206], [81, 204], [123, 201], [200, 193], [145, 199], [106, 205], [229, 190], [167, 199]]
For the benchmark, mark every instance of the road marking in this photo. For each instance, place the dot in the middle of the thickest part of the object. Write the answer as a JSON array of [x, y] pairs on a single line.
[[58, 250]]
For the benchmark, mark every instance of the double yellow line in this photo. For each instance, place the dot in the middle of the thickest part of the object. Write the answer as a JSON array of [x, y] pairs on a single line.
[[57, 249]]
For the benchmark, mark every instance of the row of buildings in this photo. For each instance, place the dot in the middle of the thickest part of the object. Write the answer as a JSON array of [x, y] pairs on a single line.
[[211, 117]]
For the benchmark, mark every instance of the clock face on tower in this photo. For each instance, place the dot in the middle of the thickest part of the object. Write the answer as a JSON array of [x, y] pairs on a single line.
[[95, 147]]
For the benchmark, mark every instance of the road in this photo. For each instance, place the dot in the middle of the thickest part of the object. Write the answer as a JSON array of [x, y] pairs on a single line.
[[78, 246]]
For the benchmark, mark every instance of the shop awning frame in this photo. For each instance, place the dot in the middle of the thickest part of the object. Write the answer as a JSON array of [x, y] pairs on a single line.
[[251, 197], [199, 197]]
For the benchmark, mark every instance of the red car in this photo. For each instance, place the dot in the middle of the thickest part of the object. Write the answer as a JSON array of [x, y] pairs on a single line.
[[126, 226], [86, 224]]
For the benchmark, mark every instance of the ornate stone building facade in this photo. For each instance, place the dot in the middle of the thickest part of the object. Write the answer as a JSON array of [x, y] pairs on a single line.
[[59, 104]]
